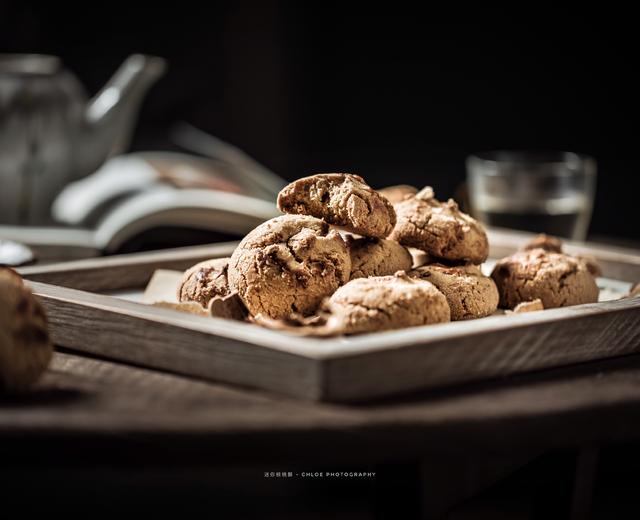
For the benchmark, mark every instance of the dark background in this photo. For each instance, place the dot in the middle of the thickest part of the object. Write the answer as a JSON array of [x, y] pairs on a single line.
[[397, 95]]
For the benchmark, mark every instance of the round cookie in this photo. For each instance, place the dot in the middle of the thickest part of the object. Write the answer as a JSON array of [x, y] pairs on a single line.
[[288, 264], [385, 302], [377, 257], [558, 280], [204, 281], [469, 293], [25, 348], [439, 229], [341, 199]]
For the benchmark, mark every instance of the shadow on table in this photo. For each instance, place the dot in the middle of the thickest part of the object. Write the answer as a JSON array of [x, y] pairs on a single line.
[[41, 397]]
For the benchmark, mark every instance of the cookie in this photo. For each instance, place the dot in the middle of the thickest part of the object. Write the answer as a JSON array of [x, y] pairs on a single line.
[[546, 242], [469, 293], [288, 264], [439, 229], [554, 245], [377, 257], [397, 193], [341, 199], [25, 347], [559, 280], [385, 302], [204, 281]]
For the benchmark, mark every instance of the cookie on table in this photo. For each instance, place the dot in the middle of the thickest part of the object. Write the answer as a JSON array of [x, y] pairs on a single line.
[[341, 199], [558, 280], [470, 294], [288, 264], [204, 281], [385, 302], [440, 229], [25, 347], [377, 257], [398, 192]]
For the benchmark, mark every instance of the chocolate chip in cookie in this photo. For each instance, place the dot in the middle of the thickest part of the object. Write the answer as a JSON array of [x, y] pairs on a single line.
[[377, 257], [440, 229], [341, 199], [469, 293], [288, 264], [559, 280], [385, 302]]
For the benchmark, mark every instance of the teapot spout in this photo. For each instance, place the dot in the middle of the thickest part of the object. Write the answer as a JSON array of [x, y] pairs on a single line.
[[112, 113]]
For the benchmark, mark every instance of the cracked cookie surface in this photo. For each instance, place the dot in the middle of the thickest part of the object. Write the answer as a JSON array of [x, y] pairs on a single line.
[[204, 281], [440, 229], [384, 303], [557, 279], [469, 293], [288, 264], [377, 257], [341, 199]]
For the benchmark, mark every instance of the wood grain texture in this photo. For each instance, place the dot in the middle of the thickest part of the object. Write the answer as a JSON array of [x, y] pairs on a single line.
[[100, 398], [184, 343], [339, 369]]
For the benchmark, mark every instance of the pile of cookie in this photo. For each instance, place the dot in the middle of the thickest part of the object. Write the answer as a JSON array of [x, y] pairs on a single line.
[[347, 259]]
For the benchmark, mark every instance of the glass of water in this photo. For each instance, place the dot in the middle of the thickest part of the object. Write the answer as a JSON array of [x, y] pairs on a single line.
[[542, 192]]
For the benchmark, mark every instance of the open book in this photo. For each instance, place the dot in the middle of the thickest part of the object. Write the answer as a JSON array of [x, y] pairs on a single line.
[[153, 200]]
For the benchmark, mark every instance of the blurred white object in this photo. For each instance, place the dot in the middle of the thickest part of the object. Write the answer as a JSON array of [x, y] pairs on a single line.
[[120, 176], [85, 202], [198, 209], [14, 254], [147, 197]]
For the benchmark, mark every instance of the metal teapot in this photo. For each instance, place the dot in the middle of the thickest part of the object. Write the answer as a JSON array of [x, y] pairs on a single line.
[[52, 134]]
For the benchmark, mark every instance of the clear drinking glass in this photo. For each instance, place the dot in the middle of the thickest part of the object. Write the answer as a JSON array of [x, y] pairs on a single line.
[[542, 192]]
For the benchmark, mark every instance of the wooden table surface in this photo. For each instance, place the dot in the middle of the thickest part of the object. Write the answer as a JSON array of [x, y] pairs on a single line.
[[97, 398], [104, 428]]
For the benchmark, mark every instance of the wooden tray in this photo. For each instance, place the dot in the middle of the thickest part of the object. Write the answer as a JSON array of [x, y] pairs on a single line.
[[85, 319]]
